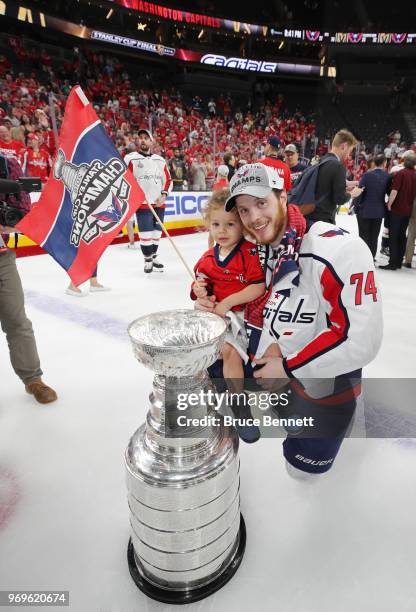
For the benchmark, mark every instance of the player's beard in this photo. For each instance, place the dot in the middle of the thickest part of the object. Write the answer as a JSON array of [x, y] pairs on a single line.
[[274, 229], [144, 148]]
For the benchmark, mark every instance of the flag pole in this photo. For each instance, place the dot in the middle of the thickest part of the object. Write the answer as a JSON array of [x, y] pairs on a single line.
[[179, 254]]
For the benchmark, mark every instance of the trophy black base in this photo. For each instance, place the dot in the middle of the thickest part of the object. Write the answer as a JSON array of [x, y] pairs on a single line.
[[188, 596]]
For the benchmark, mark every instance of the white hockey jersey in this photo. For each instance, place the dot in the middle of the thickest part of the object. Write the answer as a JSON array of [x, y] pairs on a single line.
[[152, 174], [331, 323]]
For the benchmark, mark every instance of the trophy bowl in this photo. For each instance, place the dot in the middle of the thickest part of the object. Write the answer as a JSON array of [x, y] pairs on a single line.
[[177, 343]]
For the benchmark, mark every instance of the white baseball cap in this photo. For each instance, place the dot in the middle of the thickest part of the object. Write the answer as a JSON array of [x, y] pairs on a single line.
[[223, 170], [256, 180], [291, 147]]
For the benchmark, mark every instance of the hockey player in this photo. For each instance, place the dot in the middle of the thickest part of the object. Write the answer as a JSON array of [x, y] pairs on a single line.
[[322, 306], [152, 174]]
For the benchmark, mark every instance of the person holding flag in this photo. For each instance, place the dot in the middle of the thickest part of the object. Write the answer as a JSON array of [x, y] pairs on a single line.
[[152, 175], [88, 197]]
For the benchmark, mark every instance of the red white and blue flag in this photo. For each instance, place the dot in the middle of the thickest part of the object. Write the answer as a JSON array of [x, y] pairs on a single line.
[[89, 196]]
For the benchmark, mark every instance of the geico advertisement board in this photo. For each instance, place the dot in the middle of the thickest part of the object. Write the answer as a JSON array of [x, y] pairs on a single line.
[[179, 206], [183, 208]]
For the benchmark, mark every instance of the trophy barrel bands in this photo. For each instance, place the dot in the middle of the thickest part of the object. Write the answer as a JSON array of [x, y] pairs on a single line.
[[187, 480], [191, 568], [185, 514], [194, 537], [185, 518], [163, 589]]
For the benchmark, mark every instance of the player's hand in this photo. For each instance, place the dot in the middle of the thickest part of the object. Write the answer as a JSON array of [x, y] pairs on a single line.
[[350, 185], [221, 308], [161, 200], [207, 303], [272, 375], [357, 191], [199, 288]]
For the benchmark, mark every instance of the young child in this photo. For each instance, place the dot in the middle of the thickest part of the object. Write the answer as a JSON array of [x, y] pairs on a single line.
[[232, 272]]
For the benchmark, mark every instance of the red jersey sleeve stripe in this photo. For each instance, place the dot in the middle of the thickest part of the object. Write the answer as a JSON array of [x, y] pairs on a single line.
[[339, 323], [168, 179]]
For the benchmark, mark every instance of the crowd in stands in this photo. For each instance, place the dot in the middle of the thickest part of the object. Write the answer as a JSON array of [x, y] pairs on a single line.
[[195, 135]]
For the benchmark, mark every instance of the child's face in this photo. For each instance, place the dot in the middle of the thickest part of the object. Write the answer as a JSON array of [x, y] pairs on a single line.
[[226, 228]]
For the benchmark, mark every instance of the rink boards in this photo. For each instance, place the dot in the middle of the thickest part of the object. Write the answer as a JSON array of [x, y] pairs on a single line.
[[182, 216]]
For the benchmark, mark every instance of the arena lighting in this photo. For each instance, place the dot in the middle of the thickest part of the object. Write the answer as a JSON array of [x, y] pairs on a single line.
[[282, 44], [110, 12], [14, 10], [141, 26], [200, 35]]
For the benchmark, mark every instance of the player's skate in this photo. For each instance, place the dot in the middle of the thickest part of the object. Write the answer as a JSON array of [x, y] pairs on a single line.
[[157, 265], [148, 266]]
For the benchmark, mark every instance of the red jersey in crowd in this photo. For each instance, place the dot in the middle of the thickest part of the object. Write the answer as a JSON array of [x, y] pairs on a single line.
[[240, 268], [14, 149], [282, 169], [220, 184], [37, 164]]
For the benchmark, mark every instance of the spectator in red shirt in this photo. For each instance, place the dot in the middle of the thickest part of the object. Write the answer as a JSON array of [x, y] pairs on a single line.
[[9, 147], [37, 162], [272, 159]]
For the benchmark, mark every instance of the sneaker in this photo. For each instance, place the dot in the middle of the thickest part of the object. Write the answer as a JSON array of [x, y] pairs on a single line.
[[97, 288], [41, 392], [148, 266], [75, 293], [159, 267]]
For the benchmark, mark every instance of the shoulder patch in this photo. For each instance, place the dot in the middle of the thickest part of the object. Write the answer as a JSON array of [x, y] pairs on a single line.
[[337, 231]]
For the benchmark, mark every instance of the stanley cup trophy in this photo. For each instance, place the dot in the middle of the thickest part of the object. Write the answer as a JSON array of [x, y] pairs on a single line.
[[187, 534], [69, 173]]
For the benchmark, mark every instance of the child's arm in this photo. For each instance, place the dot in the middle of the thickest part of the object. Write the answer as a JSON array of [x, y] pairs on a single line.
[[248, 294]]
